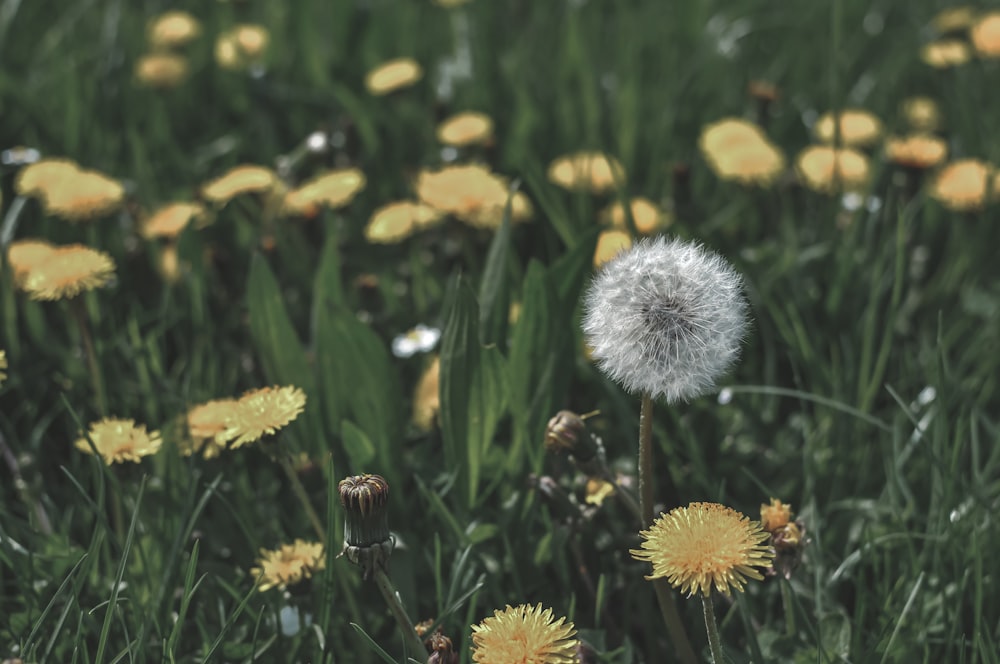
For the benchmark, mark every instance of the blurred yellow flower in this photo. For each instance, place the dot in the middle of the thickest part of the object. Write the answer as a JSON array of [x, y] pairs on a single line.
[[646, 214], [823, 168], [609, 244], [728, 134], [260, 413], [774, 516], [206, 422], [333, 190], [169, 220], [597, 490], [472, 193], [161, 70], [586, 171], [524, 635], [288, 565], [985, 35], [77, 195], [757, 164], [38, 177], [426, 397], [963, 185], [916, 151], [119, 440], [172, 29], [3, 366], [468, 128], [242, 46], [921, 113], [25, 254], [702, 545], [945, 53], [858, 128], [67, 271], [395, 222], [240, 180], [170, 265], [954, 19], [393, 75]]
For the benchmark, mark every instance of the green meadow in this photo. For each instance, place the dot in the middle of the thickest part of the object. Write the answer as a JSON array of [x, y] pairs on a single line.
[[866, 393]]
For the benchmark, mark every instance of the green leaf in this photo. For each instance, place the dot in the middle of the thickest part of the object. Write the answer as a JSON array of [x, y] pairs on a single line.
[[473, 389], [359, 447], [494, 290]]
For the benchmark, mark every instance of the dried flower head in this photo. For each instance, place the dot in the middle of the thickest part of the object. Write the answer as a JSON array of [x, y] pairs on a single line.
[[161, 70], [985, 35], [775, 515], [702, 545], [610, 243], [82, 195], [119, 440], [262, 412], [647, 215], [426, 397], [857, 127], [394, 222], [468, 128], [921, 113], [586, 171], [25, 254], [3, 366], [172, 29], [247, 179], [288, 565], [38, 177], [170, 220], [963, 185], [524, 634], [916, 151], [665, 318], [830, 170], [946, 53], [67, 271], [333, 190], [393, 75]]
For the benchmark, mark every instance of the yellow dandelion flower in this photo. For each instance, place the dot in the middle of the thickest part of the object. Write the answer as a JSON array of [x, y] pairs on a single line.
[[395, 222], [161, 70], [170, 263], [468, 128], [40, 176], [702, 545], [597, 490], [206, 422], [83, 195], [945, 53], [172, 29], [954, 19], [985, 35], [775, 516], [260, 413], [333, 190], [66, 272], [963, 185], [288, 565], [252, 39], [525, 635], [728, 134], [917, 151], [825, 169], [646, 214], [858, 128], [472, 193], [242, 46], [25, 254], [586, 171], [247, 179], [170, 220], [393, 75], [426, 397], [490, 215], [921, 113], [119, 440], [3, 366], [609, 244], [757, 164]]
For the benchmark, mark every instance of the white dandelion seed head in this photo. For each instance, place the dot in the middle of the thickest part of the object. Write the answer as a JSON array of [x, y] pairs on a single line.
[[665, 318]]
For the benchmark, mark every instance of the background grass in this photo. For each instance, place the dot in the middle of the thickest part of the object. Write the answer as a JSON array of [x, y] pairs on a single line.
[[866, 396]]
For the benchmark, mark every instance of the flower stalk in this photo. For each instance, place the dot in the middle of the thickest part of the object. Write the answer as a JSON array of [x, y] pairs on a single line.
[[714, 644], [96, 378]]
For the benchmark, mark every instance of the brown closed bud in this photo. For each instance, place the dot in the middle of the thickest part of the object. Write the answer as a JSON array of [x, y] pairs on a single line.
[[567, 431], [367, 542], [441, 649]]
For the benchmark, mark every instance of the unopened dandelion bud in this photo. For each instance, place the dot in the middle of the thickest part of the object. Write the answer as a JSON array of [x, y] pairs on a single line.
[[567, 431], [441, 648], [367, 542]]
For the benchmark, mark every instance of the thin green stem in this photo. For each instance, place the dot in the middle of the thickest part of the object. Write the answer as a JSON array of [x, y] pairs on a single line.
[[410, 636], [300, 493], [786, 601], [76, 307], [714, 644], [664, 595]]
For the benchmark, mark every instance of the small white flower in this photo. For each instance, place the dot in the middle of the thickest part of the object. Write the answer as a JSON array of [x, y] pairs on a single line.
[[317, 142], [665, 318], [418, 340], [19, 156]]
